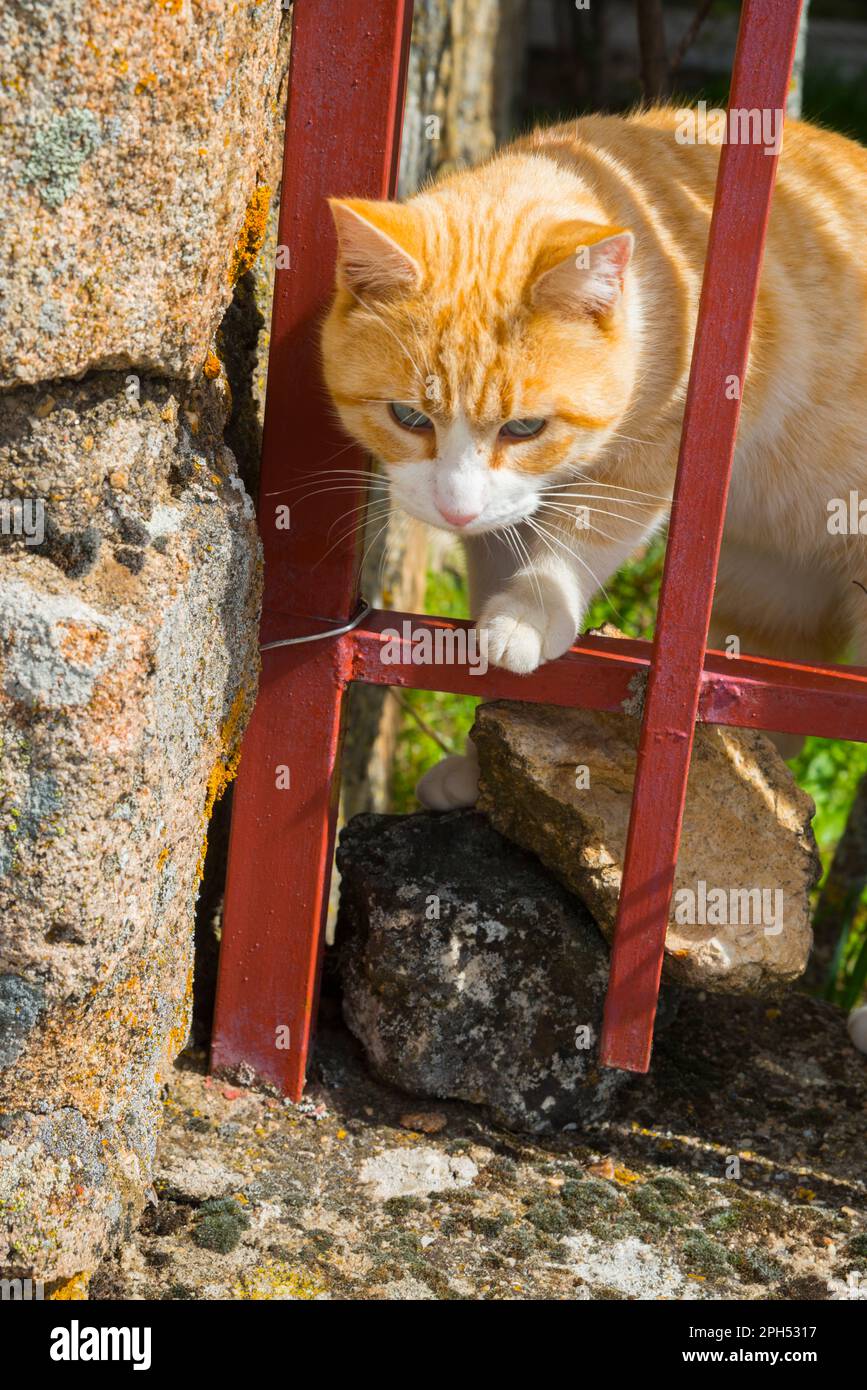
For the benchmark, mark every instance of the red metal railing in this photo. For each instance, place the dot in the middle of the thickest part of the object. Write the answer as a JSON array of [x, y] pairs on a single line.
[[346, 92]]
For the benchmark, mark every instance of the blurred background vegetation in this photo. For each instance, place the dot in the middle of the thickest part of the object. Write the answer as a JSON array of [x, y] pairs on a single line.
[[553, 61]]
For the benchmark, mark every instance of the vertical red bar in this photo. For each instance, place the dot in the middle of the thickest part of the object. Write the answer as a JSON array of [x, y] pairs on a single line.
[[760, 81], [346, 89]]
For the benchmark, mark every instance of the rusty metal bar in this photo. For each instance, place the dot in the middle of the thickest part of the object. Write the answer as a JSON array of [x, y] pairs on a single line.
[[604, 673], [745, 183], [346, 89]]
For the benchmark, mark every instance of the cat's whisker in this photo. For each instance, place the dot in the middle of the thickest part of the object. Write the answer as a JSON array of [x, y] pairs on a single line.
[[510, 541], [372, 543], [325, 491], [597, 530], [536, 525], [366, 507], [542, 537], [331, 475], [346, 481], [387, 400], [615, 434], [323, 472], [527, 563], [569, 495], [584, 477], [400, 522], [367, 501], [341, 473], [353, 531], [599, 511], [359, 525]]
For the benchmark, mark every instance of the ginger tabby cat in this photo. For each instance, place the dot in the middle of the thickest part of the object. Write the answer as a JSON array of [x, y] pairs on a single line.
[[513, 344]]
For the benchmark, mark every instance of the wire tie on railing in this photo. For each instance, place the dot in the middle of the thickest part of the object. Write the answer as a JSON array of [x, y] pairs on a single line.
[[360, 616]]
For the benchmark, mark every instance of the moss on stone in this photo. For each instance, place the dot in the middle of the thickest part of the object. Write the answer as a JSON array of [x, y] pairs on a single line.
[[583, 1198], [705, 1256], [502, 1169], [491, 1225], [399, 1206], [672, 1188], [648, 1202], [549, 1216], [722, 1219], [753, 1264], [221, 1224], [518, 1241]]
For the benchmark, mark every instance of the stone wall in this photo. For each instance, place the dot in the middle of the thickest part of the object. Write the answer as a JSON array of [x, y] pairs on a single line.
[[138, 154]]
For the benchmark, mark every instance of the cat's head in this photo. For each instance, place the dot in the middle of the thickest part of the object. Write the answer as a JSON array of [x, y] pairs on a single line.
[[479, 354]]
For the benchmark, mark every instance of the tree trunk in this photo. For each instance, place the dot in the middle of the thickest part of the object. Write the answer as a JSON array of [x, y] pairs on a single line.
[[651, 45]]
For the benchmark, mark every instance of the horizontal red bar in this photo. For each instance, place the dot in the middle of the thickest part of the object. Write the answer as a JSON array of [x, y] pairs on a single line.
[[603, 672]]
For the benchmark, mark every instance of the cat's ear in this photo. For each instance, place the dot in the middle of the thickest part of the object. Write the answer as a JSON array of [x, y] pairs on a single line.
[[581, 269], [376, 245]]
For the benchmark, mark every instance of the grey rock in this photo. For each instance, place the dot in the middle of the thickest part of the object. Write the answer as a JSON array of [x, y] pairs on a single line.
[[468, 971]]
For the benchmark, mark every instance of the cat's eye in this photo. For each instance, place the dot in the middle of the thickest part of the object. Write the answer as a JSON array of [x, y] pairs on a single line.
[[522, 429], [409, 417]]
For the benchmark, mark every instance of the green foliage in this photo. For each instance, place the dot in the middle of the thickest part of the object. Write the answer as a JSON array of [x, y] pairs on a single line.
[[631, 595], [837, 104], [449, 716], [830, 770], [828, 100]]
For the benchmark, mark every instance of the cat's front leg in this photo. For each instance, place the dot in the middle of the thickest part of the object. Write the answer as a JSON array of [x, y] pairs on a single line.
[[536, 613], [529, 606], [524, 595], [535, 618]]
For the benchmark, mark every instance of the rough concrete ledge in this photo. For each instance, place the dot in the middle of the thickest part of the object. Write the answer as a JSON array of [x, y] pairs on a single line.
[[361, 1192]]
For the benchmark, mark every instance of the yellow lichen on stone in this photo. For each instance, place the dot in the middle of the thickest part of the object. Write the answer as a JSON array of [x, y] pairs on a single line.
[[249, 243], [212, 367], [225, 769], [274, 1280], [74, 1288], [178, 1035]]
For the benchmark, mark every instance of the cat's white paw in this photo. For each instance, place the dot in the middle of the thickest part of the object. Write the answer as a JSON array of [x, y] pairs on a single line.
[[520, 634], [451, 784]]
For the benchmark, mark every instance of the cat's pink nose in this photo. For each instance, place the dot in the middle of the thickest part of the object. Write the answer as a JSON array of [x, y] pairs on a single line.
[[457, 518]]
